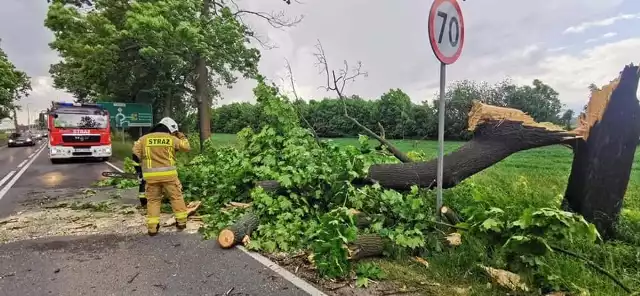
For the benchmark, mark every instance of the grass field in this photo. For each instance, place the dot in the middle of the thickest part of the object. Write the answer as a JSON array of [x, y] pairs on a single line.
[[534, 178], [3, 138]]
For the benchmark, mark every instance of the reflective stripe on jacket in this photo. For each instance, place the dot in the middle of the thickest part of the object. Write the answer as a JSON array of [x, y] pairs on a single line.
[[156, 152]]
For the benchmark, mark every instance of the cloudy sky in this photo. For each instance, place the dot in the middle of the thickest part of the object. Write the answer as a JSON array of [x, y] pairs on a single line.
[[565, 43]]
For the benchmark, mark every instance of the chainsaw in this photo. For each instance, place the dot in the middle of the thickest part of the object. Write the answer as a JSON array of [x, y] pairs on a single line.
[[120, 175]]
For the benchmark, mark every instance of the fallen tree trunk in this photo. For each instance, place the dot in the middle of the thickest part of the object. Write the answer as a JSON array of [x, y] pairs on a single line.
[[602, 160], [239, 231], [492, 142]]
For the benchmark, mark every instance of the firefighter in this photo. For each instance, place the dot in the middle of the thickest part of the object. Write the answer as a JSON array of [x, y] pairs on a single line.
[[156, 152], [141, 187]]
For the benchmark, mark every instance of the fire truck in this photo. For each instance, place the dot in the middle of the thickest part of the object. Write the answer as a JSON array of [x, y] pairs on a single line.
[[78, 131]]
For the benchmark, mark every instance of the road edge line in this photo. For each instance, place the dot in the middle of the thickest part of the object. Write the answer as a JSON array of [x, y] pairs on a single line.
[[17, 176], [7, 177], [298, 282], [114, 167]]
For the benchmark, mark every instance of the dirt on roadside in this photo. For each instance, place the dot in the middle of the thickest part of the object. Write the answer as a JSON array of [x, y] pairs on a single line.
[[80, 212]]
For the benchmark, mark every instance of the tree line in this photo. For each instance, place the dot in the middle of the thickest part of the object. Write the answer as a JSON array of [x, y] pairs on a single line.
[[399, 117]]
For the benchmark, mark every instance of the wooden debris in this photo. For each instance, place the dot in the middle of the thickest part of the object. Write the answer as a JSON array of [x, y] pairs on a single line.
[[505, 278], [454, 239], [192, 207], [421, 261]]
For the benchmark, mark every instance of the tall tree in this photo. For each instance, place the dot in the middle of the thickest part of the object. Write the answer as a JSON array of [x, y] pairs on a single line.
[[14, 84], [567, 117]]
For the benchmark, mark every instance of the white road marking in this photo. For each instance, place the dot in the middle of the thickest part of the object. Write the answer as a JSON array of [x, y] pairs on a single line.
[[6, 188], [7, 177], [22, 163], [114, 167], [298, 282]]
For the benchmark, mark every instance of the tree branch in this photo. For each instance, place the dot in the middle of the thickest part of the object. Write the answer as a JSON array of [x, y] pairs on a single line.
[[277, 20], [337, 84], [295, 94]]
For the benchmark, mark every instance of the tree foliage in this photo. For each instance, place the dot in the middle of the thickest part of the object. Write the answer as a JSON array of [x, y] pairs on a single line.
[[145, 51], [14, 84], [397, 114]]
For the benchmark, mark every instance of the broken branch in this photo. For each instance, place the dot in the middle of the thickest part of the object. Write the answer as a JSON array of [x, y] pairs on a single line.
[[337, 84]]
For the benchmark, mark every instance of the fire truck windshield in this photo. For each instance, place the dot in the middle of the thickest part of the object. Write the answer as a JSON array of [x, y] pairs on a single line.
[[66, 120]]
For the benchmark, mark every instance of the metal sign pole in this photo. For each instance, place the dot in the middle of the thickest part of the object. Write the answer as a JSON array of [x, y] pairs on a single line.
[[446, 36], [441, 108]]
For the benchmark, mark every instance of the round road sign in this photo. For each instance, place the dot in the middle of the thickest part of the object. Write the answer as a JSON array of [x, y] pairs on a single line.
[[446, 30]]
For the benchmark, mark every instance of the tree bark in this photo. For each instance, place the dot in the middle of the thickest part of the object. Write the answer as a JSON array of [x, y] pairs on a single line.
[[367, 245], [602, 162], [201, 85], [166, 112]]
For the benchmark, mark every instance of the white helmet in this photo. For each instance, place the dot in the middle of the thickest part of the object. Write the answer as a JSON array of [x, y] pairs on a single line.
[[170, 124]]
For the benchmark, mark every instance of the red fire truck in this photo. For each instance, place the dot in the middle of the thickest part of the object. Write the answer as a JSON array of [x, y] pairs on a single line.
[[78, 131]]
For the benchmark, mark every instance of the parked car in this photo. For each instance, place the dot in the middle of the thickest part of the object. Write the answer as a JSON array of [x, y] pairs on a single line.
[[21, 139]]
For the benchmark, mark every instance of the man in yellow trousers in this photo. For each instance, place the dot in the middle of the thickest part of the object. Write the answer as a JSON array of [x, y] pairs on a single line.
[[156, 152]]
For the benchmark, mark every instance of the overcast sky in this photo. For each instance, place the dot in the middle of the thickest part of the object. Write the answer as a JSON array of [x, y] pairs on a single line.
[[568, 44]]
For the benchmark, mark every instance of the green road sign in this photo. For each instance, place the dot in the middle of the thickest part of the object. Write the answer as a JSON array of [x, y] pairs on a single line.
[[125, 115]]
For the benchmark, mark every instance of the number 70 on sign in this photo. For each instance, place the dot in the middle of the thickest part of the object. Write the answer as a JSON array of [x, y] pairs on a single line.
[[446, 30]]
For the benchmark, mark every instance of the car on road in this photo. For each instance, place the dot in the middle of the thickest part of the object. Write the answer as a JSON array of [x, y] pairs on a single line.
[[21, 139]]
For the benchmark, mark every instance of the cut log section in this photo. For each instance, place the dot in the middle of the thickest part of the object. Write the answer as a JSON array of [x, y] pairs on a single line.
[[239, 231], [451, 216], [367, 245]]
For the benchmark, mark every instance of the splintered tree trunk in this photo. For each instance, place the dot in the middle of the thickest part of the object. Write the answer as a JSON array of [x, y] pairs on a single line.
[[602, 162], [493, 141]]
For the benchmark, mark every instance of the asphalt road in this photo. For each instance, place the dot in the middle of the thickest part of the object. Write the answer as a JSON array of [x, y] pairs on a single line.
[[168, 264]]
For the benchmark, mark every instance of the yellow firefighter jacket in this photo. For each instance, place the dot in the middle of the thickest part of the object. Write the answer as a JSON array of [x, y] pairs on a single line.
[[156, 152]]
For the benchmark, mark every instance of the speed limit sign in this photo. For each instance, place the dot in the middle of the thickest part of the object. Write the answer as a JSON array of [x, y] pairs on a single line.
[[446, 30]]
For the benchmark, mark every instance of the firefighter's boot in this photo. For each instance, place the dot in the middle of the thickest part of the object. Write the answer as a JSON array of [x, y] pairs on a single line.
[[153, 231]]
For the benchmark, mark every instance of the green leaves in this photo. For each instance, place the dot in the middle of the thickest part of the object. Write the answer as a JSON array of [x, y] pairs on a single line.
[[145, 50], [368, 271], [14, 84]]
